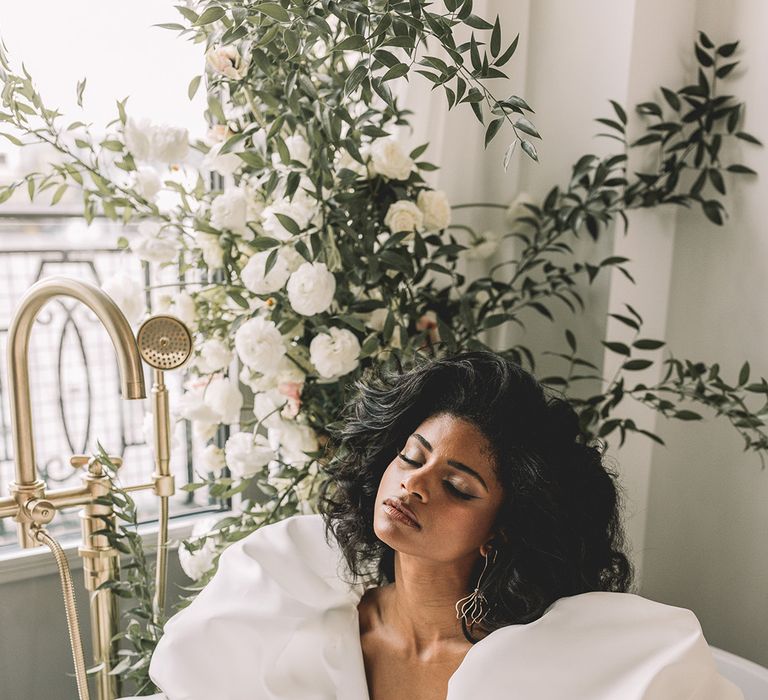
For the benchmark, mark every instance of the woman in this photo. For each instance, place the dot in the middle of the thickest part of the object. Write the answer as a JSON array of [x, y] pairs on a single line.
[[468, 545]]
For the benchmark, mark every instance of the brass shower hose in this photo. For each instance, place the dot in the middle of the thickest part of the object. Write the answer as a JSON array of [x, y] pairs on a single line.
[[69, 603]]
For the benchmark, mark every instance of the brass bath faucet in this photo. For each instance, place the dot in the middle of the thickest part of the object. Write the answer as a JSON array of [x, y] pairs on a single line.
[[28, 491]]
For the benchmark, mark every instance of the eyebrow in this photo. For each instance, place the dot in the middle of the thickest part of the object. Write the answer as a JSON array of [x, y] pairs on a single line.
[[453, 462]]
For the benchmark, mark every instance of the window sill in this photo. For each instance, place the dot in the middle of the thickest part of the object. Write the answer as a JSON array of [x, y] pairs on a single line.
[[24, 564]]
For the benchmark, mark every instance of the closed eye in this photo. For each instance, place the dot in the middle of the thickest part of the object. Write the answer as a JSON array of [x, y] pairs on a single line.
[[449, 486]]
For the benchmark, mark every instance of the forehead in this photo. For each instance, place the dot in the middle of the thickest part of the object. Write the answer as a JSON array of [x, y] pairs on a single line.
[[458, 439]]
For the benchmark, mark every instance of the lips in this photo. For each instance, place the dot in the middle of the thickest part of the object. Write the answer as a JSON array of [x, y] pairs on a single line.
[[403, 509]]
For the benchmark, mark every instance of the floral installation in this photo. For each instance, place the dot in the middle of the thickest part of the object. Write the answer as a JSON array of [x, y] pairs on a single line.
[[310, 245]]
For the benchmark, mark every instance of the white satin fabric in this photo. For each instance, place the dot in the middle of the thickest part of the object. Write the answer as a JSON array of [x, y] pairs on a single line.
[[277, 622]]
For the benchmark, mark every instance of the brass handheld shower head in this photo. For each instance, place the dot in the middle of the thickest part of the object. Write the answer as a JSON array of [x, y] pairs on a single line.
[[164, 342]]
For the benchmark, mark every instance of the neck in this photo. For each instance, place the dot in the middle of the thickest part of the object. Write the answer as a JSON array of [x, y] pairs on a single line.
[[421, 605]]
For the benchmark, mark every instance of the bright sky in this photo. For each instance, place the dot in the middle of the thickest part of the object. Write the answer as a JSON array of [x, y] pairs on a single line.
[[114, 45]]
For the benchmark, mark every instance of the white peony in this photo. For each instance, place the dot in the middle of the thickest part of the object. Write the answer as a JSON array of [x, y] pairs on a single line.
[[229, 211], [311, 289], [147, 182], [336, 354], [224, 398], [138, 138], [214, 356], [260, 345], [128, 293], [403, 216], [227, 61], [212, 459], [213, 255], [436, 209], [390, 160], [223, 163], [150, 245], [196, 564], [245, 454], [253, 276], [169, 144], [485, 247]]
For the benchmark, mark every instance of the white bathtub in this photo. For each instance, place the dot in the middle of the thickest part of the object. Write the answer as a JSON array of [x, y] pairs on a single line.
[[750, 677]]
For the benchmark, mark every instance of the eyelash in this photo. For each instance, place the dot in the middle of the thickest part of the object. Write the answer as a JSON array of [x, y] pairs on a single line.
[[449, 485]]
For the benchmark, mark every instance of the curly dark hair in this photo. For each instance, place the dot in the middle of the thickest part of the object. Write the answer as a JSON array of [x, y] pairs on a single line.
[[560, 521]]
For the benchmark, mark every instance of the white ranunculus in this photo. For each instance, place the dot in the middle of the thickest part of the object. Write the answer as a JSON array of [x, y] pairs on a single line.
[[128, 293], [403, 215], [336, 354], [517, 208], [196, 564], [294, 439], [436, 209], [147, 182], [390, 160], [212, 459], [245, 454], [260, 345], [227, 61], [138, 138], [223, 396], [214, 356], [298, 149], [229, 210], [183, 307], [150, 245], [213, 255], [169, 144], [311, 289], [485, 247], [223, 163], [253, 276]]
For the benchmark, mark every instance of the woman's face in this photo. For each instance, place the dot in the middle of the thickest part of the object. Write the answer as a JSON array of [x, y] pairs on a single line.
[[444, 473]]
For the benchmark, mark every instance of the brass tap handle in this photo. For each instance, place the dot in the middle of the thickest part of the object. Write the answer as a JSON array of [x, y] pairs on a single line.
[[40, 511], [92, 464]]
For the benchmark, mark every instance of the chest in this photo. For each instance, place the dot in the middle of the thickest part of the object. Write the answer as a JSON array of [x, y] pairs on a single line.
[[391, 675]]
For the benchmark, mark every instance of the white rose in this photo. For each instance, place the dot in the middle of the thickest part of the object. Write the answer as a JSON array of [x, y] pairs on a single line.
[[191, 406], [224, 398], [260, 345], [245, 454], [403, 216], [212, 459], [196, 564], [213, 255], [436, 209], [128, 293], [149, 244], [336, 354], [311, 289], [227, 61], [485, 247], [214, 356], [303, 209], [229, 211], [517, 208], [294, 439], [138, 138], [224, 163], [344, 160], [169, 144], [147, 182], [253, 276], [390, 160], [266, 407], [298, 149]]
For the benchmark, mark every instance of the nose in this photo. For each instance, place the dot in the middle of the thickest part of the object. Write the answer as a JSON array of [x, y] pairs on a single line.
[[415, 483]]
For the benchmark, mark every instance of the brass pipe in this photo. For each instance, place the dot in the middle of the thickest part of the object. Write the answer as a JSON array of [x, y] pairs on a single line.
[[27, 486]]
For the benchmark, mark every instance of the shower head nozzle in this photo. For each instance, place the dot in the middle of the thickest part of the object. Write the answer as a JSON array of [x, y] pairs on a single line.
[[164, 342]]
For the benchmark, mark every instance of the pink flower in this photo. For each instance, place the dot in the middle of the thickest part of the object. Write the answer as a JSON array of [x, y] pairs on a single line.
[[293, 391]]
